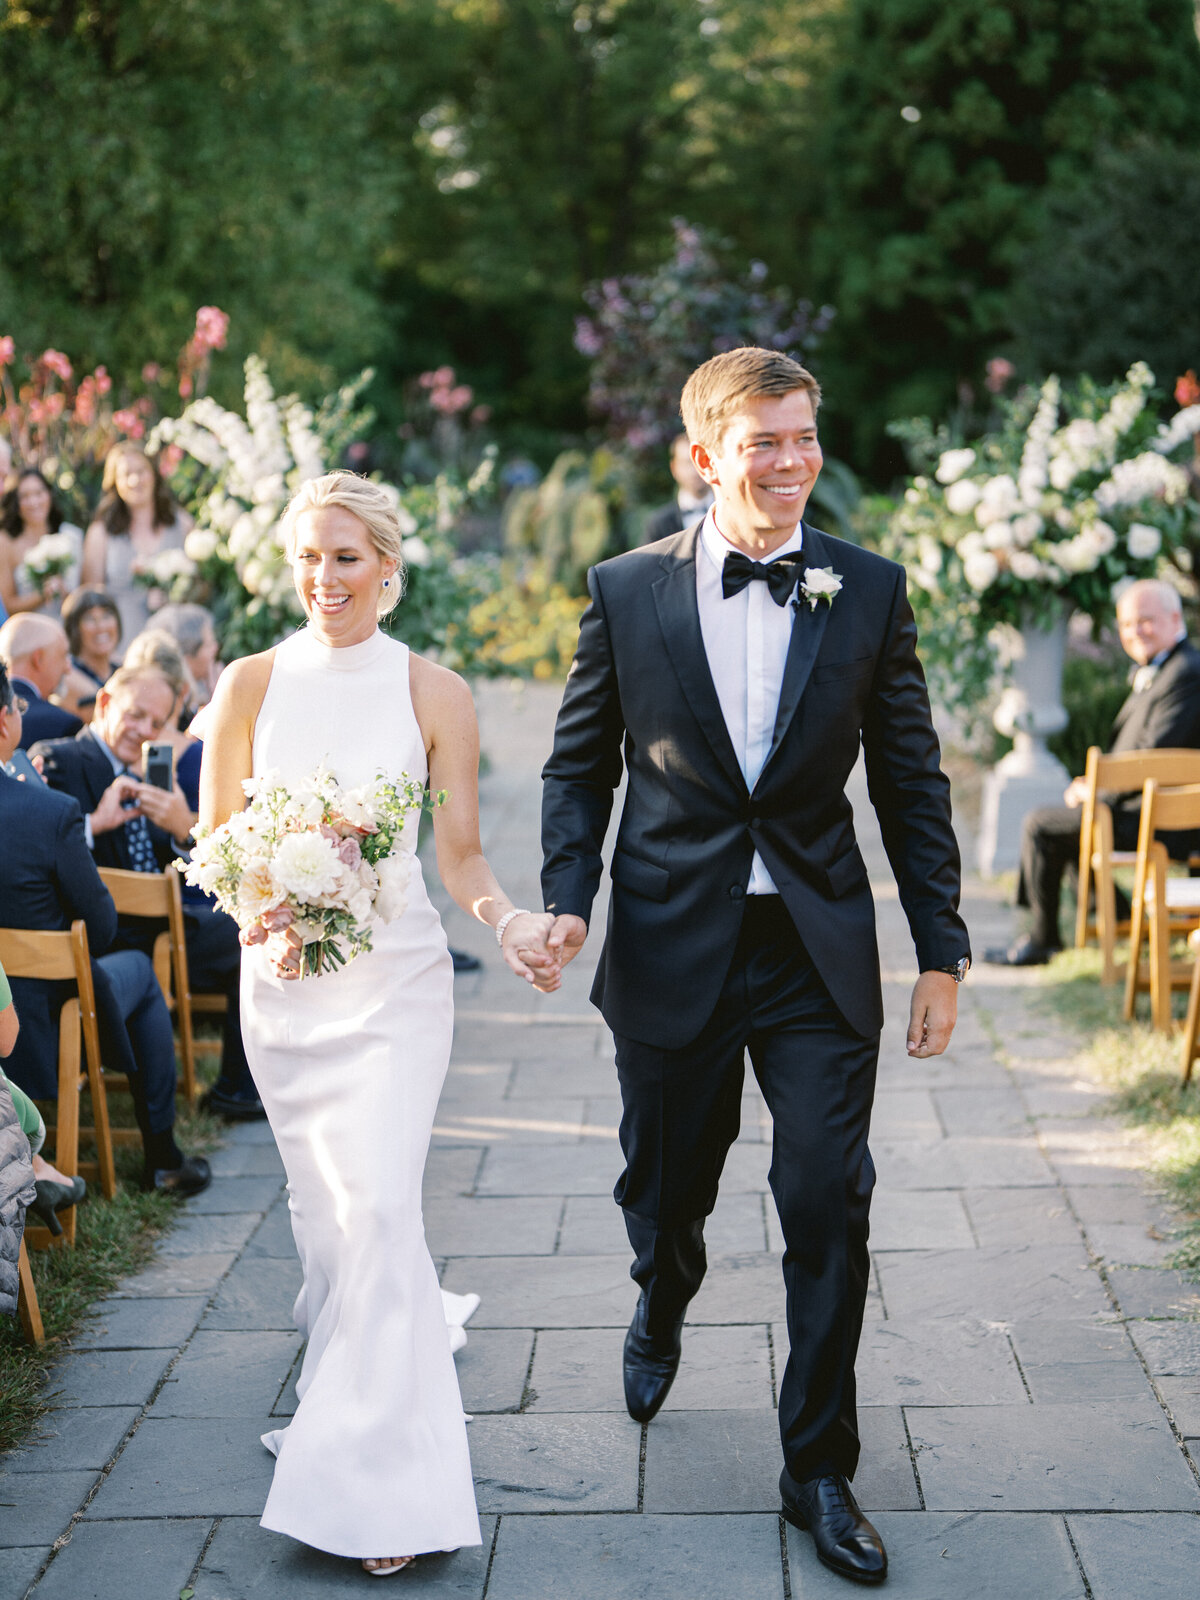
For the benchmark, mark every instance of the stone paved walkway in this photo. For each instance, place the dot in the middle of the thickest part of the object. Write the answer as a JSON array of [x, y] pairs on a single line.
[[1029, 1378]]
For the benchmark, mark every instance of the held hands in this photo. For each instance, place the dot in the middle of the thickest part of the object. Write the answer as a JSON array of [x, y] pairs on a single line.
[[525, 951], [932, 1015], [111, 811], [537, 946]]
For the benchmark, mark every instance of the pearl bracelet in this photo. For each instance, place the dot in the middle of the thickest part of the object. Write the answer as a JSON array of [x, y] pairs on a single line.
[[504, 922]]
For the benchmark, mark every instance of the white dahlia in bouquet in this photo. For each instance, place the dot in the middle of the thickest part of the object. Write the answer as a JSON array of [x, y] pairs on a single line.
[[325, 861]]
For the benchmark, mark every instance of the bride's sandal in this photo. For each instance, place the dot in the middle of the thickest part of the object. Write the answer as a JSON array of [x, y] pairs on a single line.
[[398, 1564]]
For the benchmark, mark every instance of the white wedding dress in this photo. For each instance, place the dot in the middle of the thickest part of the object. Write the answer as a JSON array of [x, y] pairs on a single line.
[[349, 1065]]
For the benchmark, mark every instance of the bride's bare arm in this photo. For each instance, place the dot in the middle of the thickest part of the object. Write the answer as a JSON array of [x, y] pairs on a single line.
[[228, 734], [446, 716]]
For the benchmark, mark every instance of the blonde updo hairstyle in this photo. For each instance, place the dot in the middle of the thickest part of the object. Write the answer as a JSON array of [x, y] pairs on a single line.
[[374, 508]]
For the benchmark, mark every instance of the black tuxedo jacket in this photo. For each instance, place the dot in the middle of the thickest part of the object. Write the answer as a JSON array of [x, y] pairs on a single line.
[[80, 768], [47, 880], [1166, 715], [640, 684], [42, 718]]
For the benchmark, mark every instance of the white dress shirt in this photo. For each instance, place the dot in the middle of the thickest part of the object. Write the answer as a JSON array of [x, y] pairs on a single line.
[[746, 641]]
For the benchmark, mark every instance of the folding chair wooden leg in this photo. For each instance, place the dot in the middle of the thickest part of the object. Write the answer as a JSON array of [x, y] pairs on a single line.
[[1191, 1027], [27, 1301]]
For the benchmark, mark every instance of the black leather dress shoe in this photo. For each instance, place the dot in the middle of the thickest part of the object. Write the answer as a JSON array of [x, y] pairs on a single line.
[[846, 1542], [1023, 953], [464, 961], [233, 1107], [191, 1178], [650, 1366]]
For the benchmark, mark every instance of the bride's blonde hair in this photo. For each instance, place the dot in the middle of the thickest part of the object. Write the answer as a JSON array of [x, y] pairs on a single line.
[[374, 508]]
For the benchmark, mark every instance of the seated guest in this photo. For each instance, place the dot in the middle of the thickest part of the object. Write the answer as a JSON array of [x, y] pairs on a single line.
[[692, 495], [156, 649], [191, 627], [28, 513], [134, 825], [93, 626], [34, 650], [1161, 713], [47, 882]]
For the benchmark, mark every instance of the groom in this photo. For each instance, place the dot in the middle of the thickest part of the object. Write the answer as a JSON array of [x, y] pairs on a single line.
[[737, 667]]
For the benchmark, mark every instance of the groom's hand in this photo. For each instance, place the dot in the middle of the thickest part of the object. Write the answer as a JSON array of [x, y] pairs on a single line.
[[566, 938], [933, 1013]]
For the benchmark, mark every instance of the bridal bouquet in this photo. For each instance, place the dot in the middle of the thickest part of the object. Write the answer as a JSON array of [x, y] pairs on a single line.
[[321, 859], [53, 555]]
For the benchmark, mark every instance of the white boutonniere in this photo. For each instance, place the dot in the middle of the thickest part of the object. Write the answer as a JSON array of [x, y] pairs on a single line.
[[820, 583]]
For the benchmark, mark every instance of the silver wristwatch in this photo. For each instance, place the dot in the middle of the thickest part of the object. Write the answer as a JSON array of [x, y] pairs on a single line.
[[958, 971]]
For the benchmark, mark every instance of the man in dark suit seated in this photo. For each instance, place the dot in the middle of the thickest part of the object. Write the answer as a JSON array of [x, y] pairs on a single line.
[[136, 826], [1161, 713], [48, 880], [692, 496], [35, 651]]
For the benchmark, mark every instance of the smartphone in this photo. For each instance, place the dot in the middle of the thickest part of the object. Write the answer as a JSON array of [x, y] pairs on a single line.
[[20, 766], [159, 760]]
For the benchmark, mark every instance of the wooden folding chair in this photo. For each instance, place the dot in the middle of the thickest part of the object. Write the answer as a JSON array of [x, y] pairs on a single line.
[[27, 1301], [157, 895], [25, 953], [1116, 774], [1191, 1027], [1162, 906]]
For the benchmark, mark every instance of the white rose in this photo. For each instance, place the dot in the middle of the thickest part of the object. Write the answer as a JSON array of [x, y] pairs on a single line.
[[1100, 536], [962, 497], [200, 544], [971, 544], [998, 536], [953, 463], [307, 866], [818, 581], [1144, 541], [393, 872], [1025, 565], [1026, 528], [258, 890], [1062, 472], [1078, 555], [981, 570], [416, 552]]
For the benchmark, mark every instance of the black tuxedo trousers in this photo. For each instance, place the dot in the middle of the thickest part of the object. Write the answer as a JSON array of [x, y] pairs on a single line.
[[682, 1111]]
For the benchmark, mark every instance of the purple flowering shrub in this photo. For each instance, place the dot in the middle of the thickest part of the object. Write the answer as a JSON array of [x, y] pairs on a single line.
[[645, 333]]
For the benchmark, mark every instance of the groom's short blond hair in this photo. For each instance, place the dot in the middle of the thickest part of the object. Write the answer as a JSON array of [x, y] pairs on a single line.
[[375, 508], [715, 391]]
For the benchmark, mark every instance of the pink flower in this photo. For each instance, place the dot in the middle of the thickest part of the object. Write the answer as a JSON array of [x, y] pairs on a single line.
[[212, 324], [58, 364], [999, 371], [358, 451], [7, 349], [129, 422], [443, 377], [54, 406], [103, 381], [276, 921], [169, 458], [1187, 390], [480, 415], [350, 853], [185, 387], [151, 372]]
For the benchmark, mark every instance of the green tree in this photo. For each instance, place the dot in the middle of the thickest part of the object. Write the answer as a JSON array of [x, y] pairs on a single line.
[[942, 126], [160, 157], [1110, 276]]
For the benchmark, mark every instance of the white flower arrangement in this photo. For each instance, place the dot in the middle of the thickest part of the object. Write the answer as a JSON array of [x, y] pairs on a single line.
[[1075, 494], [325, 861], [820, 584], [51, 557]]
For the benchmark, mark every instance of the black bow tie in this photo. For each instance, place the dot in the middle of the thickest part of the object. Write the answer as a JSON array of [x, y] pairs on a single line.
[[779, 576]]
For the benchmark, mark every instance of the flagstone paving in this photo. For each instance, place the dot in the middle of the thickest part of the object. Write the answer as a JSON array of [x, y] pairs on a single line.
[[1029, 1377]]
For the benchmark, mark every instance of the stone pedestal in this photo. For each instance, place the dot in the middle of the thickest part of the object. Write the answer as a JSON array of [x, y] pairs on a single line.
[[1029, 712]]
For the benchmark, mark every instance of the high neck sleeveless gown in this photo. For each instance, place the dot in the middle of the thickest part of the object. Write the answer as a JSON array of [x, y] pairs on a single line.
[[349, 1065]]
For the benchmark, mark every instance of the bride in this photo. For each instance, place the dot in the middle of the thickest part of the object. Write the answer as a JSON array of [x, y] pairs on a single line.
[[350, 1064]]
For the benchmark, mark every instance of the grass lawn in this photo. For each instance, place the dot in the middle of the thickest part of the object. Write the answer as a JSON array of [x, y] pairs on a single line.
[[113, 1239], [1142, 1069]]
